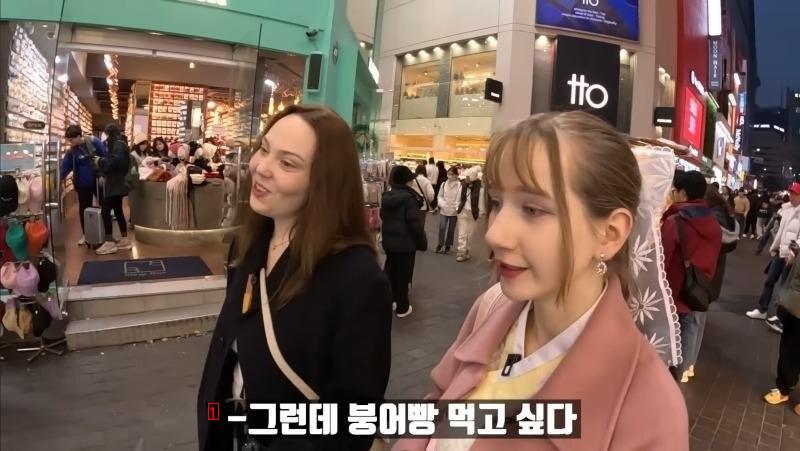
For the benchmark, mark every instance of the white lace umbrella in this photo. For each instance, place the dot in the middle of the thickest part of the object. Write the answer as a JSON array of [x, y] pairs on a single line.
[[651, 303]]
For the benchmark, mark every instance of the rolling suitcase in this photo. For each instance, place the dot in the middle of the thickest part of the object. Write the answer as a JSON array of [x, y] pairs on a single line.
[[94, 233]]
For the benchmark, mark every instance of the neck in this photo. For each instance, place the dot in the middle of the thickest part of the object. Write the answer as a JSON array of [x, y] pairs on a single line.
[[548, 318], [282, 230]]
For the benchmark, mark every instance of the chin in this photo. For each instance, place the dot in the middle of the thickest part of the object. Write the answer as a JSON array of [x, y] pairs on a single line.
[[518, 289], [260, 207]]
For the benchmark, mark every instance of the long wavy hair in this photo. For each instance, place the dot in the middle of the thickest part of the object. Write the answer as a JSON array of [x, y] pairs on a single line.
[[332, 218]]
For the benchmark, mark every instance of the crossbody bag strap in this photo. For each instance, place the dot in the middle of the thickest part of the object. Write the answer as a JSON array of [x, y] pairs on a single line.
[[272, 343], [682, 240]]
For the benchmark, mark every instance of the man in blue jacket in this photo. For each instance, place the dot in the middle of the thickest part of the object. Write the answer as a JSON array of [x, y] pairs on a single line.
[[81, 160]]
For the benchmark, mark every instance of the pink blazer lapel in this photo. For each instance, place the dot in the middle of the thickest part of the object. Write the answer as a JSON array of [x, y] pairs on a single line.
[[475, 353], [598, 371]]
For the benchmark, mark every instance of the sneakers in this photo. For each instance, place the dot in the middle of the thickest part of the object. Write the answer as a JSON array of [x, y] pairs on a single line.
[[406, 313], [463, 257], [124, 244], [756, 314], [690, 371], [82, 241], [775, 324], [109, 247], [439, 249], [685, 377], [446, 250], [774, 397]]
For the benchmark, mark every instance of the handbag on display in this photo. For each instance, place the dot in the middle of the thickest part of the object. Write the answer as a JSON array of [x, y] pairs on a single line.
[[378, 444], [8, 275], [17, 241], [37, 235]]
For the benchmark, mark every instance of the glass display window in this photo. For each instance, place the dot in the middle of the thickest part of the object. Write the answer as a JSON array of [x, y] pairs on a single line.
[[420, 86], [468, 85]]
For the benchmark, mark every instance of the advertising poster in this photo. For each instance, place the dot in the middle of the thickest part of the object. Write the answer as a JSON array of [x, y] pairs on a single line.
[[617, 18], [694, 120]]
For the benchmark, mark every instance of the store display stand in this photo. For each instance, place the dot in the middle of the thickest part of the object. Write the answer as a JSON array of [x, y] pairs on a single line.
[[42, 348]]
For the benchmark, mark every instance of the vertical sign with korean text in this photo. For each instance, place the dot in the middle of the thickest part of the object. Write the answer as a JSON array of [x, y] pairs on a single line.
[[694, 113]]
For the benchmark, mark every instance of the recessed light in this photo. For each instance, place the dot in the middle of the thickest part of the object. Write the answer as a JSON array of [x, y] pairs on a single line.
[[155, 33], [191, 65]]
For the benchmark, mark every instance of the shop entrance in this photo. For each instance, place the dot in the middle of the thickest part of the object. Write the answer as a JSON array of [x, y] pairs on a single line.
[[195, 107]]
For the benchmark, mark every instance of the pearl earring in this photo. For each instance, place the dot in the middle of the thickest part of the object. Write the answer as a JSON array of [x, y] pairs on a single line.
[[602, 267]]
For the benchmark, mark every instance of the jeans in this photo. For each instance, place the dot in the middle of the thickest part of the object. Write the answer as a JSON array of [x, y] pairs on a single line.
[[114, 203], [763, 242], [399, 268], [761, 226], [447, 230], [789, 353], [776, 267], [693, 325], [741, 220]]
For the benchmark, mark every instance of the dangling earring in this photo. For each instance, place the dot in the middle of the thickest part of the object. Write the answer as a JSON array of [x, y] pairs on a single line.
[[602, 268]]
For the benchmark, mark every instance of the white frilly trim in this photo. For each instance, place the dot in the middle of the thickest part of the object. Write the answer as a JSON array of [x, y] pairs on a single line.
[[669, 301]]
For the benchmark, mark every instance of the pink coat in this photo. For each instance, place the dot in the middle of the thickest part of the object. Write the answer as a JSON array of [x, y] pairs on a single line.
[[629, 401]]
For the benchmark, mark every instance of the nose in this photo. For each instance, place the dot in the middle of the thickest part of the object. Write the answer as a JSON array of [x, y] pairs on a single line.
[[261, 165], [501, 235]]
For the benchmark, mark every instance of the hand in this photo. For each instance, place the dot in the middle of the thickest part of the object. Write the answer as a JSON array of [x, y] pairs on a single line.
[[789, 260]]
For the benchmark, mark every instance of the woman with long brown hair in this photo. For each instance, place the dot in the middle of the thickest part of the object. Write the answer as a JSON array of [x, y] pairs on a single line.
[[304, 252], [563, 191]]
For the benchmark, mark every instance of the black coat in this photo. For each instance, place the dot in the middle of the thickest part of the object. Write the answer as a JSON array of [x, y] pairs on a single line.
[[403, 227], [336, 336], [114, 167]]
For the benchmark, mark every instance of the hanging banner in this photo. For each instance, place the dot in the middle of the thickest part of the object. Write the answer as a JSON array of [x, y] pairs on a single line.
[[693, 120], [714, 63], [617, 18]]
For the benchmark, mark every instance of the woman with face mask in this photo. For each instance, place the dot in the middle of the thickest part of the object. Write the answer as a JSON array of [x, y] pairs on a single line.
[[307, 312], [563, 191]]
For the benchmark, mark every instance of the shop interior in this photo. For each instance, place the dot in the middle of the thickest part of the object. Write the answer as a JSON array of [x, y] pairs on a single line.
[[186, 95]]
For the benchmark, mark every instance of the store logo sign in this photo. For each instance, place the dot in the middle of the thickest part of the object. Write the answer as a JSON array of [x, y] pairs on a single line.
[[714, 63], [586, 77], [693, 120], [697, 83], [583, 92]]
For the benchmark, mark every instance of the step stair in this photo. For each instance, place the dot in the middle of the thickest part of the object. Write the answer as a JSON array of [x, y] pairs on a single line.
[[111, 315]]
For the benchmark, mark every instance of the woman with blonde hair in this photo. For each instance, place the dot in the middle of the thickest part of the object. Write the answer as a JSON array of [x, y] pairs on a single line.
[[563, 190]]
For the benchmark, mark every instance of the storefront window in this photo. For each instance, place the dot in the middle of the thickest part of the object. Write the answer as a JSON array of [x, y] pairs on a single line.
[[468, 84], [420, 86]]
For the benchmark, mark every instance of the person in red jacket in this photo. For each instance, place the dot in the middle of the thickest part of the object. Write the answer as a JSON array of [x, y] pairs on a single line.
[[703, 242]]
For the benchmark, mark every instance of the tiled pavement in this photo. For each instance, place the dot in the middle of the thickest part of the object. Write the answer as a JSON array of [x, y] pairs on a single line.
[[142, 397]]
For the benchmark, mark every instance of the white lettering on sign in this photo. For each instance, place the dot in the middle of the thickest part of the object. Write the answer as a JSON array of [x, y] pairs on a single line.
[[697, 83], [591, 2], [583, 93]]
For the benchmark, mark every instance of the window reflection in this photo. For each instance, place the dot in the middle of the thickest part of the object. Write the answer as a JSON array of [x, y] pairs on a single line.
[[469, 80], [420, 86]]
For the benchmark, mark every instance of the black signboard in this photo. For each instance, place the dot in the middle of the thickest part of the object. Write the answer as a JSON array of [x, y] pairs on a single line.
[[586, 77], [664, 116], [714, 63], [493, 90], [34, 125]]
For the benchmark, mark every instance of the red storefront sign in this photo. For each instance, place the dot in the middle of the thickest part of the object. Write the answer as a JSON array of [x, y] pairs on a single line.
[[694, 115]]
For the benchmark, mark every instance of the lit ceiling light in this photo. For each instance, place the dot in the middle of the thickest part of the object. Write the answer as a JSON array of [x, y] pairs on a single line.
[[270, 83], [542, 39], [477, 64], [58, 59], [714, 17], [623, 53], [45, 26], [425, 73], [362, 44], [408, 55], [191, 65], [437, 49], [155, 33]]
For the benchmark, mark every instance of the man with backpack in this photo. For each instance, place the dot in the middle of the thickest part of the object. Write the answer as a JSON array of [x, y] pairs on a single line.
[[81, 159], [692, 241]]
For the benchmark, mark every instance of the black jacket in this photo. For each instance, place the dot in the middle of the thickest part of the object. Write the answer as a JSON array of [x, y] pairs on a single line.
[[336, 336], [114, 167], [403, 227]]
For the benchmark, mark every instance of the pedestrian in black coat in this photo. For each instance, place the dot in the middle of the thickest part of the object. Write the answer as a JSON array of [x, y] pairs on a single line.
[[403, 234], [307, 246]]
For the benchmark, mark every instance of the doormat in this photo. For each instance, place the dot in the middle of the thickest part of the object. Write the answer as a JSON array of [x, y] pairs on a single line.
[[122, 271]]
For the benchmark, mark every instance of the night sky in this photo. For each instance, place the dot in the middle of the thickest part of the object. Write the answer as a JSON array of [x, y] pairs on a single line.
[[776, 45]]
